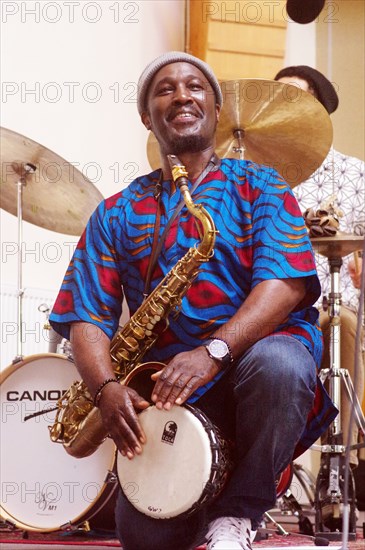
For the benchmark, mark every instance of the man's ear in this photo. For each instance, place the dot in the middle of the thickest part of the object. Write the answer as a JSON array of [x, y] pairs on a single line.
[[217, 111], [146, 120]]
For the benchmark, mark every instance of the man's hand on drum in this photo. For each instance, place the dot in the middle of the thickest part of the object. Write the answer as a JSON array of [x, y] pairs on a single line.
[[118, 406], [184, 374]]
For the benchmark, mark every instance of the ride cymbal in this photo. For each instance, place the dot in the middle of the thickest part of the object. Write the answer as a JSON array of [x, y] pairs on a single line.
[[55, 195], [271, 123]]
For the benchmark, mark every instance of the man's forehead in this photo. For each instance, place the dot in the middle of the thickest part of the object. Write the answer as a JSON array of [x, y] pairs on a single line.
[[178, 69]]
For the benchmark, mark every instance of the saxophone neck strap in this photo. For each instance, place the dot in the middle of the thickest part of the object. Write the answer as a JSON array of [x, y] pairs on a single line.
[[157, 244]]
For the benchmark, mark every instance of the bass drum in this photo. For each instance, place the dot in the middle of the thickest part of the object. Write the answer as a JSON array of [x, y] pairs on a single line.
[[42, 487]]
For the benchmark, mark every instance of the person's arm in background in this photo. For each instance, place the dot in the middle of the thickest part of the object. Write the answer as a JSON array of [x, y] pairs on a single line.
[[355, 269]]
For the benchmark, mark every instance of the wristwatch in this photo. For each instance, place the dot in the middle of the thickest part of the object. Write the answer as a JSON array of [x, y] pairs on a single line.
[[219, 350]]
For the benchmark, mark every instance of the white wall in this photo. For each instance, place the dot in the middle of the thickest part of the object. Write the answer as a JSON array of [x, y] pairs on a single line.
[[300, 47], [101, 47]]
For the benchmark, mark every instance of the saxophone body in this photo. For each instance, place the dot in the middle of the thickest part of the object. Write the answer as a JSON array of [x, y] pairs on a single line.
[[78, 424]]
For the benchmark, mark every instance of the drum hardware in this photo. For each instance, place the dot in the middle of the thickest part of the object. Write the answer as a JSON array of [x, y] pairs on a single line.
[[240, 149], [44, 308], [54, 339], [279, 527], [90, 525], [25, 173], [295, 509], [331, 484], [291, 505], [65, 348], [307, 482], [42, 188], [265, 532], [270, 123]]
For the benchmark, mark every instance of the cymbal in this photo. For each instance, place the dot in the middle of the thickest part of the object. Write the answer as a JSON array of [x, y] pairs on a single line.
[[338, 246], [55, 195], [271, 123]]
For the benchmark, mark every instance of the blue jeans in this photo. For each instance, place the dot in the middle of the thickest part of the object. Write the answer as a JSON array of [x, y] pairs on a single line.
[[262, 404]]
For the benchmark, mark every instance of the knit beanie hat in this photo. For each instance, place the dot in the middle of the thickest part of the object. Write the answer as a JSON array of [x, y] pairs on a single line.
[[165, 59], [321, 85]]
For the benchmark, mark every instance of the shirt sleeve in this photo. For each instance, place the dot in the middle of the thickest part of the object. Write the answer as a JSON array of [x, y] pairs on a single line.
[[281, 244], [91, 291]]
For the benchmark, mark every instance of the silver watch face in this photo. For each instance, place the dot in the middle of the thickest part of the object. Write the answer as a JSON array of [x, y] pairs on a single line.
[[218, 349]]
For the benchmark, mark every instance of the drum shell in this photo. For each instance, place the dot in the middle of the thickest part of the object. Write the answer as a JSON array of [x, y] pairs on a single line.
[[43, 488], [184, 465]]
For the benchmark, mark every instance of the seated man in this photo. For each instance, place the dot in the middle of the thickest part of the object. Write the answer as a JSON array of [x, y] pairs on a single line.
[[245, 345]]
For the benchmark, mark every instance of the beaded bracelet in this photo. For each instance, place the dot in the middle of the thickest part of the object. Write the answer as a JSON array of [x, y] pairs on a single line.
[[98, 392]]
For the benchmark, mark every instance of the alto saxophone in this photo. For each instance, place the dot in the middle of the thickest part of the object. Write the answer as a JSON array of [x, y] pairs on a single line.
[[78, 424]]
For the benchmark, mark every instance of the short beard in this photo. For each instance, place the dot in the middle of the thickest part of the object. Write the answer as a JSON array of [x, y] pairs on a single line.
[[188, 144]]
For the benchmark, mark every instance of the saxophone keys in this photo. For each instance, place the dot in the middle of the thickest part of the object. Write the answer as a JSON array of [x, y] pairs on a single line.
[[83, 408], [73, 392], [156, 309], [123, 355], [131, 343], [138, 332], [56, 432]]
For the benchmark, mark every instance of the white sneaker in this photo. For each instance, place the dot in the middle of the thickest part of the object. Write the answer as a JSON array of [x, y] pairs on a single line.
[[230, 533]]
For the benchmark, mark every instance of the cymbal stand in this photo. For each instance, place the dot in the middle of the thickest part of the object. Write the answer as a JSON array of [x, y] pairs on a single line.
[[330, 480], [26, 171], [239, 135]]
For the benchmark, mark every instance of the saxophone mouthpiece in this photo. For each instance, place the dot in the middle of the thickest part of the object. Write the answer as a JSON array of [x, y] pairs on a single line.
[[178, 170], [174, 161]]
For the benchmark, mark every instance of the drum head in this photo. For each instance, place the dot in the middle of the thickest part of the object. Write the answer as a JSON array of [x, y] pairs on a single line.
[[169, 477], [42, 487]]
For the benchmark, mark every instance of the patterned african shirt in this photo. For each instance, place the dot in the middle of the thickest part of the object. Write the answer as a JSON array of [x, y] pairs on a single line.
[[261, 236], [343, 177]]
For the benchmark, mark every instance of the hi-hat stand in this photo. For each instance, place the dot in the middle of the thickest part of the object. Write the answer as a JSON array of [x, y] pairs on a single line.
[[330, 485]]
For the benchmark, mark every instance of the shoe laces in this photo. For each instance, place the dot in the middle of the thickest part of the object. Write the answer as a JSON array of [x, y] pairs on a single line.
[[230, 529]]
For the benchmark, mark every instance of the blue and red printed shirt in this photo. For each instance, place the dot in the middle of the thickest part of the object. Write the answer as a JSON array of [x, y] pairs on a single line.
[[261, 236]]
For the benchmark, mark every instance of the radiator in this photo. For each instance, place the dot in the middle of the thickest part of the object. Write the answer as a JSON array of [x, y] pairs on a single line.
[[35, 337]]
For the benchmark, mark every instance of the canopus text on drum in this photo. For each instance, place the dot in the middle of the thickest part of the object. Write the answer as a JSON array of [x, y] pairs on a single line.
[[34, 395]]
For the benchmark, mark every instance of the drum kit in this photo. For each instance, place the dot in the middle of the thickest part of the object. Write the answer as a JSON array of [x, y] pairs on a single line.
[[44, 488], [335, 480]]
